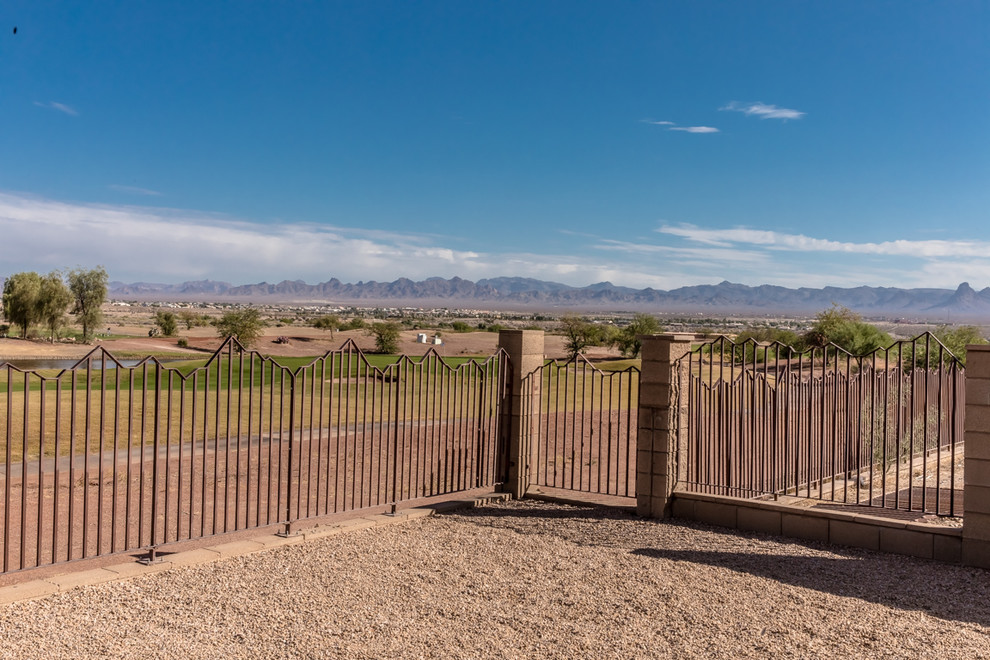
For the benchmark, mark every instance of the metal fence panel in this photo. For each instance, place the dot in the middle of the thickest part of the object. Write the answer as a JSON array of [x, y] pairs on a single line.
[[102, 458], [881, 430]]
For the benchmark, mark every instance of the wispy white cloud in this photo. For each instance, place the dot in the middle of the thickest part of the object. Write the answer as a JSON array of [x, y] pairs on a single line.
[[926, 249], [706, 255], [672, 126], [763, 111], [135, 190], [694, 129], [61, 107]]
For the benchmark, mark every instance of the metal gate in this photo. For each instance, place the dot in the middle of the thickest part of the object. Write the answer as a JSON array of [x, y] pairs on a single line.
[[584, 435]]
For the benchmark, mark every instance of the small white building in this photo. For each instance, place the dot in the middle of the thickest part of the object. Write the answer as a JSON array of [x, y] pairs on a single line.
[[421, 338], [437, 341]]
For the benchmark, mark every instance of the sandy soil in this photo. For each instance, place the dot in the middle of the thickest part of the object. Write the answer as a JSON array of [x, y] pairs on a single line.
[[524, 580]]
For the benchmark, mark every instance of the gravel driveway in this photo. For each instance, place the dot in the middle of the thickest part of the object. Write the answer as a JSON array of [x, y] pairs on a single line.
[[523, 580]]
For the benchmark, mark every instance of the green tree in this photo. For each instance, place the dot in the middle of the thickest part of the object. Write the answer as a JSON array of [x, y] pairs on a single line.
[[167, 322], [89, 290], [20, 300], [627, 339], [244, 325], [954, 339], [328, 322], [386, 336], [190, 318], [846, 329], [580, 333], [54, 298]]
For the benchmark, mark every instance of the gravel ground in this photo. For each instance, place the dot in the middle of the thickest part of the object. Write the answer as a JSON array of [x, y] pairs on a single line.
[[523, 580]]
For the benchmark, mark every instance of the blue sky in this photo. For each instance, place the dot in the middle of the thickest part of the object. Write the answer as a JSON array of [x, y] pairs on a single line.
[[646, 143]]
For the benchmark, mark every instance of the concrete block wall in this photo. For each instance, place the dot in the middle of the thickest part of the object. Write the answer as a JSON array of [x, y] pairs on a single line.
[[661, 416], [837, 527], [525, 349], [976, 497]]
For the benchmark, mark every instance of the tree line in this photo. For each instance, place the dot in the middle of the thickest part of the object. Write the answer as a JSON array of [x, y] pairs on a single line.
[[31, 299], [835, 326]]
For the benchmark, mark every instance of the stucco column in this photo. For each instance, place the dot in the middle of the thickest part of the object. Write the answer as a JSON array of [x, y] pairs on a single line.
[[976, 497], [661, 417], [525, 350]]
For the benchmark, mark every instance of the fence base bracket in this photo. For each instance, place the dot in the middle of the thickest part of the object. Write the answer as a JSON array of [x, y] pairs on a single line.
[[151, 558], [393, 510], [287, 532]]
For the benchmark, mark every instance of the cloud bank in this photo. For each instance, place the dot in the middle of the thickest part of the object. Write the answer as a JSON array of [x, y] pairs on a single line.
[[145, 243], [140, 243]]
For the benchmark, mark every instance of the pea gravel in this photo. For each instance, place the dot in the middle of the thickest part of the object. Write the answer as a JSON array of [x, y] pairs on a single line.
[[523, 580]]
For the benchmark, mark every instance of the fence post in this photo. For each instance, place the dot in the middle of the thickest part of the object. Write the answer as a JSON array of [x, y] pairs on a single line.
[[976, 438], [525, 350], [661, 415]]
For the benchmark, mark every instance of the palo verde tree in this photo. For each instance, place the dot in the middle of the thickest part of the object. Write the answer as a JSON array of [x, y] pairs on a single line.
[[244, 325], [54, 298], [89, 291], [627, 339], [386, 336], [329, 322], [580, 333], [167, 322], [20, 300], [190, 318], [846, 329]]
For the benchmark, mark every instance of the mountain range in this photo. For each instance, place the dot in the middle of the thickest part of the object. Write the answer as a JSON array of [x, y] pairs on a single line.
[[524, 293]]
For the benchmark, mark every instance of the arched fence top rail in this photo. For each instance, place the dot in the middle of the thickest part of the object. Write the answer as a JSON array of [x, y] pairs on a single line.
[[582, 362], [230, 348], [723, 359]]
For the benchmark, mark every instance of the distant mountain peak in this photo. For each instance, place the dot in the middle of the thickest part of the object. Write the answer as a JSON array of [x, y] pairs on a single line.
[[508, 292]]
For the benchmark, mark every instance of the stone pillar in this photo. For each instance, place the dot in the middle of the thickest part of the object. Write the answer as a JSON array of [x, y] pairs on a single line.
[[658, 444], [976, 497], [525, 350]]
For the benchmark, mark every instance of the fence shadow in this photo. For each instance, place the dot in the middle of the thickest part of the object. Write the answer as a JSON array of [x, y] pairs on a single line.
[[952, 593]]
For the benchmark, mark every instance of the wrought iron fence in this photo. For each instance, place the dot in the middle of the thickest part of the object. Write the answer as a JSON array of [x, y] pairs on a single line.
[[584, 427], [102, 458], [879, 430]]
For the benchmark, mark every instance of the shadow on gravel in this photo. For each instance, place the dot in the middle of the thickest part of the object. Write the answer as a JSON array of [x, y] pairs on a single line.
[[953, 593], [565, 511]]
